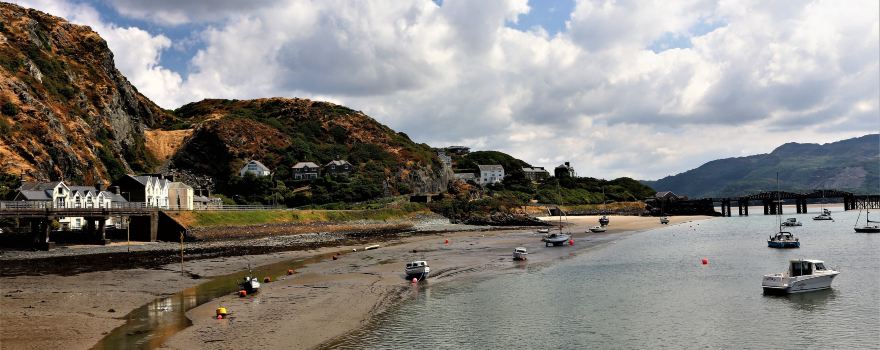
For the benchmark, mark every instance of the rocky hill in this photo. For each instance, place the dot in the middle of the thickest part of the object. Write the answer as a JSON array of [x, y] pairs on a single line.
[[850, 165], [65, 110], [280, 132]]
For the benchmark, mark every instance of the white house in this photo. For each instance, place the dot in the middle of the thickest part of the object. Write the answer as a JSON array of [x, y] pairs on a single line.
[[180, 196], [152, 190], [490, 174], [254, 167], [56, 194]]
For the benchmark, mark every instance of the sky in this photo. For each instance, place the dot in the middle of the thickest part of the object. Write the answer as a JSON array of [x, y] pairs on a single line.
[[636, 88]]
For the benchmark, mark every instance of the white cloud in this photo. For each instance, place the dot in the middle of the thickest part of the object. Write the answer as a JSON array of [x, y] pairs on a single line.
[[594, 94]]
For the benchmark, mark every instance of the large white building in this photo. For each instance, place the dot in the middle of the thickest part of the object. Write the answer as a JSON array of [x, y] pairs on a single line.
[[180, 196], [254, 167], [490, 174]]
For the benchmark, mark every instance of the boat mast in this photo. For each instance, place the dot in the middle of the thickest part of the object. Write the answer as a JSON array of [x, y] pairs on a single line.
[[778, 204]]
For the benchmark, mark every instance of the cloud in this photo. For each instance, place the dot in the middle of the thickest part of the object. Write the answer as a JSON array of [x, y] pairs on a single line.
[[742, 77]]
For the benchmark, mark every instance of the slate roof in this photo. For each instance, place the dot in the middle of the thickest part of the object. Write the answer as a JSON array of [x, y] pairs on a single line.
[[491, 167], [305, 164], [338, 162]]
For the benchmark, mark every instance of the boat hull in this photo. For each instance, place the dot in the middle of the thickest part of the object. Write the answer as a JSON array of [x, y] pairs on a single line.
[[802, 284], [520, 256], [867, 229], [820, 218], [783, 244]]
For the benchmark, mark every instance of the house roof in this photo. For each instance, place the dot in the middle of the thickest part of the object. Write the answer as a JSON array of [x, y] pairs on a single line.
[[29, 195], [664, 194], [178, 185], [305, 164], [465, 175], [563, 166], [39, 186], [537, 169], [338, 162], [257, 162], [490, 167]]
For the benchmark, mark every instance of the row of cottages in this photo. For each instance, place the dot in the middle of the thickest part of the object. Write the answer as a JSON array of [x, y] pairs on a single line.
[[302, 170], [57, 194], [160, 192], [311, 171]]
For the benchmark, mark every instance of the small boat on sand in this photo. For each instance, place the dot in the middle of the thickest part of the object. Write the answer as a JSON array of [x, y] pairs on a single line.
[[556, 239], [250, 284], [543, 230], [520, 253], [598, 229], [604, 221], [802, 276], [664, 220], [417, 269]]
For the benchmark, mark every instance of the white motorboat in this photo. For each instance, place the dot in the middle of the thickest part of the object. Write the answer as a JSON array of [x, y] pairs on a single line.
[[802, 276], [598, 229], [791, 222], [826, 215], [417, 269], [520, 253], [664, 220], [543, 230], [250, 284]]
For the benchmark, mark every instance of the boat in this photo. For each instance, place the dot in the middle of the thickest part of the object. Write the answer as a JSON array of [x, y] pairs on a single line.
[[556, 239], [543, 230], [782, 239], [664, 220], [604, 221], [790, 222], [418, 269], [868, 228], [520, 253], [598, 229], [802, 276], [250, 284], [826, 215]]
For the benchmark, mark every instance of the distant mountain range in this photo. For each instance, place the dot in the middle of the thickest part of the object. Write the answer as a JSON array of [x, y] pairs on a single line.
[[850, 165]]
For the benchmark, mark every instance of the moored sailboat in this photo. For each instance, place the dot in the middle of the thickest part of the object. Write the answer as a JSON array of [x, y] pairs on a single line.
[[868, 228]]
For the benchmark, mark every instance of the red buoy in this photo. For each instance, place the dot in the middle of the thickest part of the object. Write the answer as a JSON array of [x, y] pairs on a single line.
[[289, 272], [242, 293], [219, 317], [267, 279], [570, 242], [705, 261], [415, 280], [446, 242]]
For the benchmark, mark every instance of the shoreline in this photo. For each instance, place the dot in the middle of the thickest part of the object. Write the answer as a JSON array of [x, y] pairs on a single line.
[[305, 307]]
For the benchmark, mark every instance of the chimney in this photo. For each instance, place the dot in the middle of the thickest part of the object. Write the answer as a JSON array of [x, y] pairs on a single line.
[[115, 189], [99, 186], [567, 164]]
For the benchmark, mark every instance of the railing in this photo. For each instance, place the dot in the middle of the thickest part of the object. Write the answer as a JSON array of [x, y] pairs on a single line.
[[31, 205], [226, 207]]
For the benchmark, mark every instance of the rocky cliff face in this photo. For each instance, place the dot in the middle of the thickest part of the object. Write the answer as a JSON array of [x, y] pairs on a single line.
[[65, 110]]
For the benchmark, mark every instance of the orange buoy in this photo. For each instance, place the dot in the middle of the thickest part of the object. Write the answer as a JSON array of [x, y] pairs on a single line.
[[705, 261], [289, 272], [242, 293], [267, 279]]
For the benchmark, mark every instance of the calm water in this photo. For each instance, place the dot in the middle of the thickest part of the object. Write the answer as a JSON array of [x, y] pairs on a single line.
[[650, 291]]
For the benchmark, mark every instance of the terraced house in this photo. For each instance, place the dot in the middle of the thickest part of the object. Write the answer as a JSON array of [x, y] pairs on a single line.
[[57, 194], [152, 190]]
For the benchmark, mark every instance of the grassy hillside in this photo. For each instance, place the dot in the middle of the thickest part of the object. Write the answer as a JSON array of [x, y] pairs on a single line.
[[243, 218], [849, 165]]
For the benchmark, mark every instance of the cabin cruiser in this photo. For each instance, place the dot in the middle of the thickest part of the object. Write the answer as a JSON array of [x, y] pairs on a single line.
[[598, 229], [868, 228], [826, 215], [791, 222], [520, 253], [555, 239], [783, 240], [417, 269], [250, 284], [802, 276], [604, 221], [664, 220]]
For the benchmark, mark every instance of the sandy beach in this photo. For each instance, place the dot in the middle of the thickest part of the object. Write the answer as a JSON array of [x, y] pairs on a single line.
[[320, 302]]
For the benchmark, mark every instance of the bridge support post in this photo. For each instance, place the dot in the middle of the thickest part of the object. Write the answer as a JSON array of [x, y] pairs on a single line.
[[144, 228], [41, 228], [766, 203], [804, 203], [729, 208], [779, 207], [101, 232]]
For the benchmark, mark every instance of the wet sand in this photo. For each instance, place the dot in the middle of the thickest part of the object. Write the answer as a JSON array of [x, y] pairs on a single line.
[[317, 304]]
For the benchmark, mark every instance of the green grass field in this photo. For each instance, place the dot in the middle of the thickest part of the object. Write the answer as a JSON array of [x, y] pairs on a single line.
[[243, 218]]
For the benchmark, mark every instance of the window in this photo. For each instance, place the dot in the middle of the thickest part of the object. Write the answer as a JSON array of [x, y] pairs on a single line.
[[820, 266]]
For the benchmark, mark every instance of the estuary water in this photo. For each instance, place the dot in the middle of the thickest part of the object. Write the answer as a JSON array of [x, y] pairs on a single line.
[[650, 290]]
